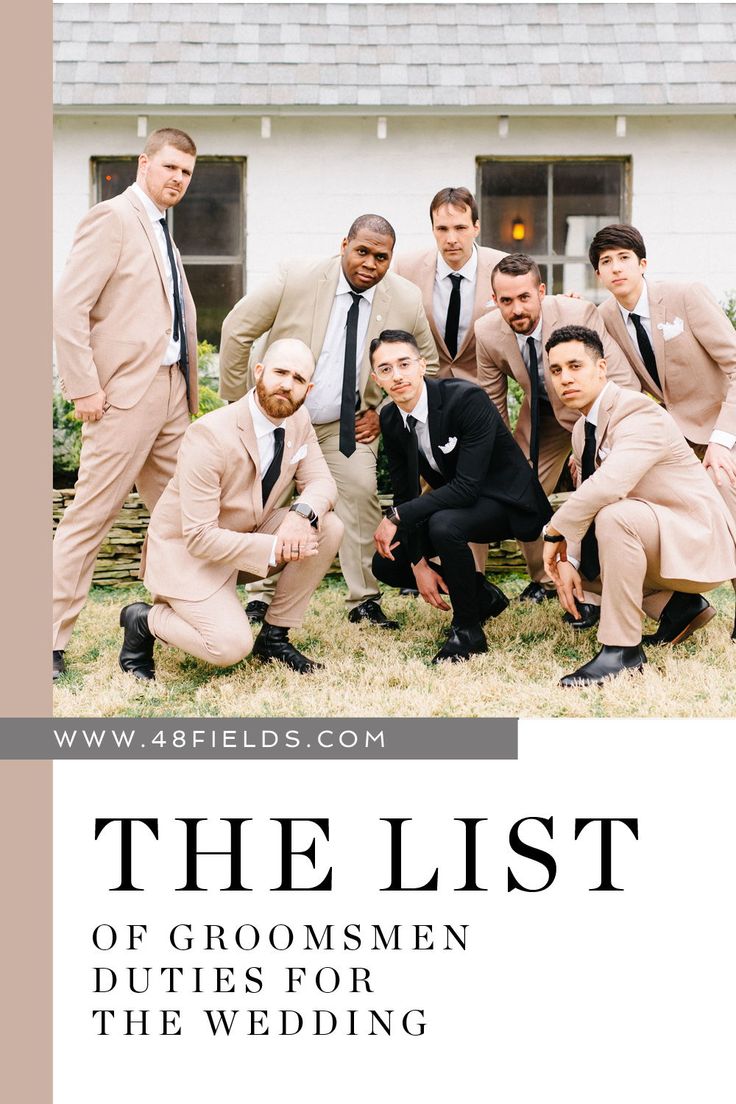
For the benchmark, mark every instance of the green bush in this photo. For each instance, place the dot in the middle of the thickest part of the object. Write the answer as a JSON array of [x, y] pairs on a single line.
[[730, 307]]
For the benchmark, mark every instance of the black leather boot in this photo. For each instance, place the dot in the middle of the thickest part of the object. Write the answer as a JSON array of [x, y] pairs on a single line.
[[273, 642], [609, 662], [461, 644], [136, 654]]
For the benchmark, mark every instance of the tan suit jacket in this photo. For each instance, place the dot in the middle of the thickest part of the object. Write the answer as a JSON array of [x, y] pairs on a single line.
[[499, 359], [296, 302], [421, 269], [205, 524], [696, 364], [641, 454], [112, 317]]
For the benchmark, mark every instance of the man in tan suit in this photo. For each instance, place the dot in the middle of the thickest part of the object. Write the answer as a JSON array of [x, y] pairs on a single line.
[[126, 348], [454, 279], [219, 519], [681, 346], [646, 524], [510, 344], [337, 306]]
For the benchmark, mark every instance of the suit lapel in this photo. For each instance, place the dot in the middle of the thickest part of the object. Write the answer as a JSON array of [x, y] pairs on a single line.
[[376, 323], [324, 299], [435, 423], [145, 222], [604, 417], [657, 314], [248, 439], [482, 295]]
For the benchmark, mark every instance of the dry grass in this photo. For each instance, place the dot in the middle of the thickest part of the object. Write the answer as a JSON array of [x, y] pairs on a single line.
[[372, 673]]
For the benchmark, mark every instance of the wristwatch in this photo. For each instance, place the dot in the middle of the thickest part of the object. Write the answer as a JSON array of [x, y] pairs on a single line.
[[392, 515], [304, 511], [550, 539]]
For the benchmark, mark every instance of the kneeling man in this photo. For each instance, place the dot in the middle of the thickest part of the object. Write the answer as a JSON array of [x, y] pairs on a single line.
[[481, 489], [646, 524], [216, 525]]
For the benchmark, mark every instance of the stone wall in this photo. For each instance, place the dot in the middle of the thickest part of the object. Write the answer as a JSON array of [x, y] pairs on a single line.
[[120, 555]]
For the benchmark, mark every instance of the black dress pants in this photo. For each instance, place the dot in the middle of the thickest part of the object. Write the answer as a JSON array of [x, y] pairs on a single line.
[[448, 533]]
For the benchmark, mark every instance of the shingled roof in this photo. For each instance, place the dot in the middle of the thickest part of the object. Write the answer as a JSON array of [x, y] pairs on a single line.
[[396, 56]]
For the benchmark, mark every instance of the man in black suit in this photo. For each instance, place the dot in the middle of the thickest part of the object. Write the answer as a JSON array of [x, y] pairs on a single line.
[[481, 489]]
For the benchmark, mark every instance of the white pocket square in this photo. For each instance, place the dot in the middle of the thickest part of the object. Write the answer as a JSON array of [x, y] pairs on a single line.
[[671, 329], [299, 455], [603, 453], [449, 446]]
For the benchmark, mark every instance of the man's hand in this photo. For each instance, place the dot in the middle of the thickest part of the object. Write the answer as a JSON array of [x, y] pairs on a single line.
[[569, 587], [295, 539], [720, 464], [384, 539], [552, 551], [90, 408], [367, 426], [430, 585]]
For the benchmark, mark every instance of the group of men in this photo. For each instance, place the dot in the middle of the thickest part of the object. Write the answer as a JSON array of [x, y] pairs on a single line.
[[324, 357]]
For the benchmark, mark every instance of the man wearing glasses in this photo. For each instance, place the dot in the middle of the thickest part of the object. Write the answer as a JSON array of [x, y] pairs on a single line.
[[448, 433]]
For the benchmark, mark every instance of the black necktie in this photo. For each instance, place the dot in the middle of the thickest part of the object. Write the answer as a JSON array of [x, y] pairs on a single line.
[[411, 425], [179, 334], [268, 482], [534, 380], [646, 350], [589, 563], [349, 379], [453, 316]]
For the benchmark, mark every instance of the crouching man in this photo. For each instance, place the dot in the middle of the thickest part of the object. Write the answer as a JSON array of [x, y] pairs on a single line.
[[481, 488], [646, 528], [216, 524]]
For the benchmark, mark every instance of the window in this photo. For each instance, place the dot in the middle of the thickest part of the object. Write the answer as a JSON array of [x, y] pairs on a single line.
[[551, 210], [208, 227]]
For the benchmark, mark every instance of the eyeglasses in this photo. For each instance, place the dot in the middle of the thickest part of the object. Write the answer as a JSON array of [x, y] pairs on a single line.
[[385, 371]]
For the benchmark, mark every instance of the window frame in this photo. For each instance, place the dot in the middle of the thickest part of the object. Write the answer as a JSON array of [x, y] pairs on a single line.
[[548, 260]]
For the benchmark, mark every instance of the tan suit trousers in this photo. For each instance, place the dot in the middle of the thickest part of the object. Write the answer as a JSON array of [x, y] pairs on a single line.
[[554, 449], [137, 446], [217, 630], [726, 490], [630, 582]]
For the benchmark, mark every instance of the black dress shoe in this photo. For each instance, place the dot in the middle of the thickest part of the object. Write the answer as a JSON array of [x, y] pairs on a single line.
[[59, 664], [273, 642], [590, 615], [609, 662], [136, 654], [371, 611], [461, 644], [256, 611], [491, 600], [535, 592], [683, 614]]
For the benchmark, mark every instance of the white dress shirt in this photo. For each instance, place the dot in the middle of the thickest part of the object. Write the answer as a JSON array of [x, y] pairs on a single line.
[[263, 429], [172, 352], [443, 290], [718, 436], [325, 399], [421, 413], [524, 350]]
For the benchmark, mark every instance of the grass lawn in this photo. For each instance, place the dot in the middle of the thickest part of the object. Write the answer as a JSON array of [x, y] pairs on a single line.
[[372, 673]]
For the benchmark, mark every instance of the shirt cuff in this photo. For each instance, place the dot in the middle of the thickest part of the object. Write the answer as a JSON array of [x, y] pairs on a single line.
[[272, 558], [575, 563], [720, 437]]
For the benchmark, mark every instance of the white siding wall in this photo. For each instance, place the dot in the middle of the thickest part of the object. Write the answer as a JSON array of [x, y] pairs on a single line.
[[314, 175]]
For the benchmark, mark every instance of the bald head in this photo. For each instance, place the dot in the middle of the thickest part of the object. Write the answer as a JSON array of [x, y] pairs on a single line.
[[290, 351], [283, 380]]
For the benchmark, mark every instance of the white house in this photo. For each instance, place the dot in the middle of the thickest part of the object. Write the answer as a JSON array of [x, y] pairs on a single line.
[[560, 116]]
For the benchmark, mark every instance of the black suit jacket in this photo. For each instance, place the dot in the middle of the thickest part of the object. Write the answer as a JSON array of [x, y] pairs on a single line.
[[484, 462]]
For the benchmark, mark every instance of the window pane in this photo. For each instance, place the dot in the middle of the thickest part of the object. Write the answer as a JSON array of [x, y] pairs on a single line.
[[587, 196], [514, 201], [216, 289], [208, 221], [113, 177]]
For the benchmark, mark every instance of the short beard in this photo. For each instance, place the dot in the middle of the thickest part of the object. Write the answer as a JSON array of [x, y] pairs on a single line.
[[276, 406]]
